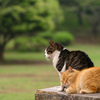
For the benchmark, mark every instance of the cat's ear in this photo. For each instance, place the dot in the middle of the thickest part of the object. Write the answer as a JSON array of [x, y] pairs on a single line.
[[70, 69], [61, 72], [52, 43]]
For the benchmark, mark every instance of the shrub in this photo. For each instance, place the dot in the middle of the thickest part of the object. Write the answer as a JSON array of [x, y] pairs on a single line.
[[24, 44], [39, 44], [46, 35], [21, 44], [63, 37]]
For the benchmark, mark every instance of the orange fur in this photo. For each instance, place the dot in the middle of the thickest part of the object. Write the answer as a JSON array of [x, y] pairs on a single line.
[[85, 81]]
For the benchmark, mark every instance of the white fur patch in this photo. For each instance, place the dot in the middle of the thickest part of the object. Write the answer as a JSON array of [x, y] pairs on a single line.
[[55, 57], [64, 48], [63, 70], [46, 55]]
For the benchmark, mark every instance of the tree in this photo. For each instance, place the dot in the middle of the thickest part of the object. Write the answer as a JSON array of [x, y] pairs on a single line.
[[88, 10], [75, 5], [92, 16], [19, 17]]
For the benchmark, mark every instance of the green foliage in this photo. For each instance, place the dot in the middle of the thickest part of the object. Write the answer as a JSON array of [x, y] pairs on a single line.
[[20, 16], [63, 37], [85, 16], [67, 2], [24, 44], [39, 44], [46, 35]]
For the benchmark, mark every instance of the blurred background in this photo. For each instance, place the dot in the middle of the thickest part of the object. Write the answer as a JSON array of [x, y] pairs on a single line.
[[27, 26]]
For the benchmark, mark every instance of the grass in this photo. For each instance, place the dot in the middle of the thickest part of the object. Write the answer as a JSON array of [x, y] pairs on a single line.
[[20, 82], [24, 56], [92, 50]]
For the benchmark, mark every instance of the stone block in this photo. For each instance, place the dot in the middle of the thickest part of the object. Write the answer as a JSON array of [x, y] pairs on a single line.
[[53, 94]]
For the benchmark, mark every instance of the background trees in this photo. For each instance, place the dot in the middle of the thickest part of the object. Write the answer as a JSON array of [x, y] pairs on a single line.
[[91, 13], [32, 17], [18, 17], [86, 11]]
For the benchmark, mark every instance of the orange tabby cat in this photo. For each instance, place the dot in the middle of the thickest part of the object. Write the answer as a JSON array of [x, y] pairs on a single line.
[[85, 81]]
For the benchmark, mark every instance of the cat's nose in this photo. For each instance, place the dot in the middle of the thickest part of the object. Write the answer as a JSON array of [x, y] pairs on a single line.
[[64, 83]]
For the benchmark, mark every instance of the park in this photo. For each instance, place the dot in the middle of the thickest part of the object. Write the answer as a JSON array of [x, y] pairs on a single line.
[[27, 26]]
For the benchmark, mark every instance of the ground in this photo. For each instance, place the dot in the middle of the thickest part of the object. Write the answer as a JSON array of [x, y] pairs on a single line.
[[20, 82]]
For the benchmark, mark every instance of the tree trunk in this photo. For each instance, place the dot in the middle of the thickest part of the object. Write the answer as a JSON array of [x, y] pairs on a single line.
[[79, 16], [95, 31], [1, 53], [3, 43]]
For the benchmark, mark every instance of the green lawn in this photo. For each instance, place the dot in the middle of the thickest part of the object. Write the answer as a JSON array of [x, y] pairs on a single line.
[[92, 50], [24, 56], [20, 82]]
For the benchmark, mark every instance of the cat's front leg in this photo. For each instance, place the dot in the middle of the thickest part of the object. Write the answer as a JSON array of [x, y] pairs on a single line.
[[61, 88]]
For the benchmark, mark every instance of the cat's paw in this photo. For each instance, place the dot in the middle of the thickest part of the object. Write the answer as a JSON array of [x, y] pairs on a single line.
[[82, 91], [68, 91], [60, 89], [65, 89]]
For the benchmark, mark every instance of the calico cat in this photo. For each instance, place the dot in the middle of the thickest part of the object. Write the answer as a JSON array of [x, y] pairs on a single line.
[[63, 58], [85, 81]]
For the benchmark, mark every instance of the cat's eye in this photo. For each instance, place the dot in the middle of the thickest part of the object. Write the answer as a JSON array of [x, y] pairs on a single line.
[[49, 51]]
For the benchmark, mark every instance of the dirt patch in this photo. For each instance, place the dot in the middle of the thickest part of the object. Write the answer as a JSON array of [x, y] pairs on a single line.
[[24, 75], [12, 90], [24, 62], [17, 75]]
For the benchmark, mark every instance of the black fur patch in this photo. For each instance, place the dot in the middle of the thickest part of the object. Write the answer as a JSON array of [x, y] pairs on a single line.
[[76, 59]]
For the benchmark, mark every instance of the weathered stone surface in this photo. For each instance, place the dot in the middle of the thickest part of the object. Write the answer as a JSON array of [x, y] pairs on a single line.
[[53, 94]]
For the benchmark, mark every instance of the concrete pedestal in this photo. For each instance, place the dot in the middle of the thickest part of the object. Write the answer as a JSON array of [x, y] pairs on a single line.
[[53, 94]]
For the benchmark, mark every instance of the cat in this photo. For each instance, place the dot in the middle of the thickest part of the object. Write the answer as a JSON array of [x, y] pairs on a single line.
[[63, 58], [85, 81]]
